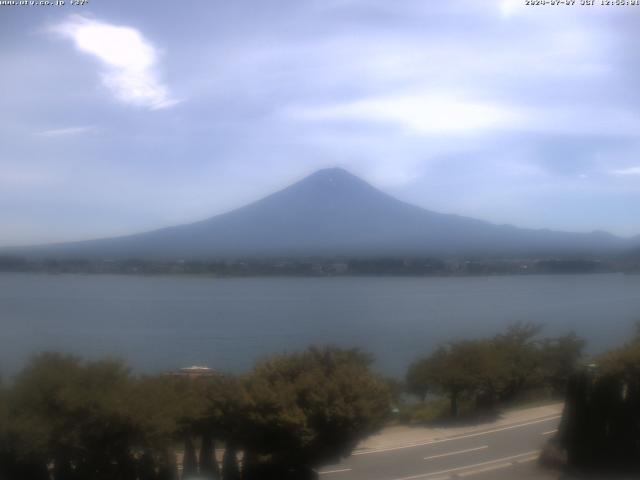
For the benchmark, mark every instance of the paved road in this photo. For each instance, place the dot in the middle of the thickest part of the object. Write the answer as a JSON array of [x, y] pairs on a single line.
[[507, 451]]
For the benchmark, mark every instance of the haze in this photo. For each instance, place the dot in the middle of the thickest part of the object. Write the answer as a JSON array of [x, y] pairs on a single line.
[[121, 117]]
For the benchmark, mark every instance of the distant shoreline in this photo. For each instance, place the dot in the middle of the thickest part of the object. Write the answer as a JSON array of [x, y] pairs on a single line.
[[329, 266]]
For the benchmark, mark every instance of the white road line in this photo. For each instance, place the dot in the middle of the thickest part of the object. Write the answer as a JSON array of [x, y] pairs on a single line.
[[497, 466], [549, 432], [457, 453], [460, 437], [327, 472], [503, 462]]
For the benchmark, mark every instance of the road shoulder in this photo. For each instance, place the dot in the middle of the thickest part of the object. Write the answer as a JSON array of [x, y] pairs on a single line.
[[403, 436]]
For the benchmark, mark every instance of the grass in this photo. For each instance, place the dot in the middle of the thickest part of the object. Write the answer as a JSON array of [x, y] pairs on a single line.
[[436, 411], [433, 412]]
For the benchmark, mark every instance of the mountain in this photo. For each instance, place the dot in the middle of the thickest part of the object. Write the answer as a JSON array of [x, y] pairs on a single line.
[[333, 212]]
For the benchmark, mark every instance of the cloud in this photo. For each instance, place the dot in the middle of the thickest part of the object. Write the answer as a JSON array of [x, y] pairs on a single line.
[[421, 114], [130, 61], [627, 171], [66, 132]]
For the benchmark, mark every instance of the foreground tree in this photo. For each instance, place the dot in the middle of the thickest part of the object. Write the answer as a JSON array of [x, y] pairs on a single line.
[[309, 409], [418, 380], [559, 358], [457, 370], [215, 414], [517, 360], [230, 468], [495, 370], [73, 416], [156, 411], [67, 419], [600, 428], [91, 420]]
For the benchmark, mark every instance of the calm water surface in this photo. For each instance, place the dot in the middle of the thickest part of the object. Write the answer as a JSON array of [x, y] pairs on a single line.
[[161, 323]]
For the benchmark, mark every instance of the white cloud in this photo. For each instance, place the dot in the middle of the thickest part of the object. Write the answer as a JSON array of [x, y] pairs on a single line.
[[130, 61], [417, 113], [509, 7], [438, 114], [66, 132], [627, 171]]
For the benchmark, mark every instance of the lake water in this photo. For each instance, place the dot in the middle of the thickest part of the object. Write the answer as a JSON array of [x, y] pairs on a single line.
[[162, 323]]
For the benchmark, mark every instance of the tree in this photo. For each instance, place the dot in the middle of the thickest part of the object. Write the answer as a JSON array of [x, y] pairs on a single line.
[[518, 359], [600, 427], [93, 420], [73, 415], [623, 362], [417, 379], [311, 408], [230, 470], [497, 369], [189, 459], [212, 409], [189, 413], [460, 369], [559, 359], [208, 464]]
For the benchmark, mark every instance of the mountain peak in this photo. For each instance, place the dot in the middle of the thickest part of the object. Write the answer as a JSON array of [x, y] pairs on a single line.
[[334, 179], [334, 174]]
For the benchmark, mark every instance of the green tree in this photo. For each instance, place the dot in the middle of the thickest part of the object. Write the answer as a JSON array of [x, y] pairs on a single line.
[[417, 380], [460, 369], [230, 469], [518, 360], [311, 408], [559, 358], [225, 402], [600, 427], [495, 370], [623, 362], [74, 416], [156, 412]]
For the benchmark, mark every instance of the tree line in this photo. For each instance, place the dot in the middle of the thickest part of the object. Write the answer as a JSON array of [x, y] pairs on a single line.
[[67, 419], [63, 418], [494, 371]]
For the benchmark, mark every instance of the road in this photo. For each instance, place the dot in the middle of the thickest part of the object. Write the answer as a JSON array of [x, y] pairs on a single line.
[[504, 452]]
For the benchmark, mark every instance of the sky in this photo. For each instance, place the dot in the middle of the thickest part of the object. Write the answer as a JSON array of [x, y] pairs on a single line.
[[119, 117]]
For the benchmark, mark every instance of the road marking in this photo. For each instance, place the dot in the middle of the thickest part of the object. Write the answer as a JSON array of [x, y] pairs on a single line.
[[550, 432], [502, 462], [497, 466], [327, 472], [460, 437], [457, 453]]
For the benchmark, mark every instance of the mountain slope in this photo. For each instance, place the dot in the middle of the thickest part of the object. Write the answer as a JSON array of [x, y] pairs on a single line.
[[332, 212]]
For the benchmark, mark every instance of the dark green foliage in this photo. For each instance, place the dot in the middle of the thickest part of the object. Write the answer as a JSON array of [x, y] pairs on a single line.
[[464, 369], [311, 408], [517, 360], [600, 428], [73, 415], [146, 467], [167, 468], [65, 419], [189, 459], [495, 370], [88, 420], [230, 468], [418, 380], [559, 358], [207, 461]]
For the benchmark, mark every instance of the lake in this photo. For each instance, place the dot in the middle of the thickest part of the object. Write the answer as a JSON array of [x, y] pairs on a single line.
[[163, 323]]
